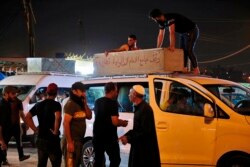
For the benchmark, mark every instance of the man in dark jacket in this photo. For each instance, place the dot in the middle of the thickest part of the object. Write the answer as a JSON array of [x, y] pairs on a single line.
[[144, 146]]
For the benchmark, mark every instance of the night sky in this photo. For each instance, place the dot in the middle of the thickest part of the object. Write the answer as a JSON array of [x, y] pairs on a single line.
[[93, 26]]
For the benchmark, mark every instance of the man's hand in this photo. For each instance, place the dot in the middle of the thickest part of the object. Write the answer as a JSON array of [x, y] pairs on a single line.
[[106, 53], [55, 132], [171, 48], [70, 147], [3, 145], [123, 139], [124, 123]]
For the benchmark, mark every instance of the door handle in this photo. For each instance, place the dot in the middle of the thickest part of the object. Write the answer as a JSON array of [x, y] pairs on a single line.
[[162, 125]]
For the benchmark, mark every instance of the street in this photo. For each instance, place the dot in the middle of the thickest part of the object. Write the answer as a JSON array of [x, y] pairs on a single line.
[[32, 161]]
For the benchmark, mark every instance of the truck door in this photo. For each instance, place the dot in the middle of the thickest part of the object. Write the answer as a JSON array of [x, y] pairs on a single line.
[[185, 136]]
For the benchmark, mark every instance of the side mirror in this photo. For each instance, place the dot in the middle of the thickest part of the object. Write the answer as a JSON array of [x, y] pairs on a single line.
[[208, 110]]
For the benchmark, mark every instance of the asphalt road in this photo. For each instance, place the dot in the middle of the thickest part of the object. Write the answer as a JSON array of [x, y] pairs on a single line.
[[32, 161]]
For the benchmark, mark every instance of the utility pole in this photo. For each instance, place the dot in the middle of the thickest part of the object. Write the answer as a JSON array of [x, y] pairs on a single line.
[[30, 22]]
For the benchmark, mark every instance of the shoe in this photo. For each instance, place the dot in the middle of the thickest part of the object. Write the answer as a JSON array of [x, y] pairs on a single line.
[[5, 163], [196, 71], [24, 157], [185, 70]]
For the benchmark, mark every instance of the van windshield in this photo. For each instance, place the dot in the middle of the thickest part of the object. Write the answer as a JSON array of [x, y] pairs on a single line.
[[24, 90], [237, 98]]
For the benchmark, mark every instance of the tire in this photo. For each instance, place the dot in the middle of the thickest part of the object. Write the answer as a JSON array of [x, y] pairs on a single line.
[[237, 161], [88, 154]]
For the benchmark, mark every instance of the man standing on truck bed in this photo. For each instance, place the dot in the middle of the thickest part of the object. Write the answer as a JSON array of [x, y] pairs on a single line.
[[76, 111], [177, 23]]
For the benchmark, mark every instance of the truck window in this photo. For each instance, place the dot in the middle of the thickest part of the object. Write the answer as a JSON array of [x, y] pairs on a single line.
[[96, 91], [24, 90], [236, 97], [40, 94], [177, 98]]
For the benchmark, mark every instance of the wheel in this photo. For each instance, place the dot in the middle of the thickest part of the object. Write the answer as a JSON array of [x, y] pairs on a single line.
[[88, 154], [237, 161]]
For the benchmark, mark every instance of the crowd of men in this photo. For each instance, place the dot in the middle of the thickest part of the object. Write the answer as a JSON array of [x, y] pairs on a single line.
[[75, 112]]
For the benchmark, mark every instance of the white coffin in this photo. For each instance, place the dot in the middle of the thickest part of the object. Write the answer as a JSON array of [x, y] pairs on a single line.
[[144, 61]]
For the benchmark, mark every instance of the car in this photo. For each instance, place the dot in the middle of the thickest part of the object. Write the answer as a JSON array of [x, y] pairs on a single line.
[[216, 134]]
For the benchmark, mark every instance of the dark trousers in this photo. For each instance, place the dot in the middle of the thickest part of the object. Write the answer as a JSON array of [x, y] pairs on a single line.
[[48, 149], [111, 148], [1, 156], [16, 132], [187, 42], [6, 137]]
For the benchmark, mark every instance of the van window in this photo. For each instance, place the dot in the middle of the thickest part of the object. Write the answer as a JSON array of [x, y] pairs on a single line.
[[93, 93], [176, 98], [24, 90], [96, 91], [40, 94], [237, 98]]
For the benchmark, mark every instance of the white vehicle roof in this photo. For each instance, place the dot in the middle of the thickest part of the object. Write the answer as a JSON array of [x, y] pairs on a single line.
[[44, 79], [202, 80], [117, 79]]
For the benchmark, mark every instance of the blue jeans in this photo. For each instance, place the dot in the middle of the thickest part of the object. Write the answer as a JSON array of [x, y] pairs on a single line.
[[187, 42]]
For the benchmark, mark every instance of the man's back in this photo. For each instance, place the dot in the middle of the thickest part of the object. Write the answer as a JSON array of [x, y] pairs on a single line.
[[104, 109], [45, 111], [16, 106]]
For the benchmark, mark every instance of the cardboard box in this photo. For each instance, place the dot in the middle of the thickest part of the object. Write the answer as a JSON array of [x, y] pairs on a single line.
[[144, 61]]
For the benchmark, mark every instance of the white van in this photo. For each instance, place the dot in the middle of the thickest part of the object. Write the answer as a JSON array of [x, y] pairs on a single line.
[[213, 129], [33, 88]]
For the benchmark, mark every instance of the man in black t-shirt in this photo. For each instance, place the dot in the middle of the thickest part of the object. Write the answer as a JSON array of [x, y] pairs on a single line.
[[107, 120], [9, 93], [15, 130], [49, 117], [188, 30]]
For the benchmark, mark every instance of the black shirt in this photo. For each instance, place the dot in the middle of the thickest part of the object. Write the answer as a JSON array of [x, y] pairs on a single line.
[[103, 127], [45, 111], [182, 23], [5, 115], [16, 107]]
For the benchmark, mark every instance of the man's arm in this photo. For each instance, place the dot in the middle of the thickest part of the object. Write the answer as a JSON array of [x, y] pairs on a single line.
[[172, 37], [67, 133], [30, 122], [118, 122], [160, 37], [124, 47], [2, 143], [87, 110], [58, 119]]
